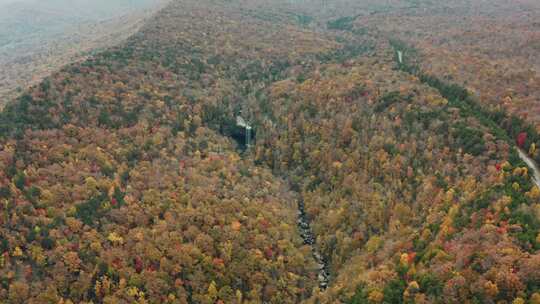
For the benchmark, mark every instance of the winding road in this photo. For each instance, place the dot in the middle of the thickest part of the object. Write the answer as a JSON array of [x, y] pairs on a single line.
[[532, 164]]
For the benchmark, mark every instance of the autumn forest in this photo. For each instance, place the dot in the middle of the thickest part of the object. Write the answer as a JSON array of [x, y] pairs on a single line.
[[283, 151]]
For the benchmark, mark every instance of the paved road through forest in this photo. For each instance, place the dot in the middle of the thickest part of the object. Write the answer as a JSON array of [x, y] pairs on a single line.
[[531, 164]]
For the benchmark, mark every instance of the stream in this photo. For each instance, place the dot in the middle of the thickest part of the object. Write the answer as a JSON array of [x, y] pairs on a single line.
[[532, 164], [323, 275]]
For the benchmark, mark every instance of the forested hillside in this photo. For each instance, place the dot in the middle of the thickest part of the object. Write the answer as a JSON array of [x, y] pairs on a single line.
[[126, 178], [39, 37]]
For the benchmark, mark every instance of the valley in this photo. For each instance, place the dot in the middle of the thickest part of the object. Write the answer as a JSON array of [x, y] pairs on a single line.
[[368, 175]]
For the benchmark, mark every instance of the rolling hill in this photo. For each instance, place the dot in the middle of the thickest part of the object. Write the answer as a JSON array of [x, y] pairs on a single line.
[[125, 177], [39, 37]]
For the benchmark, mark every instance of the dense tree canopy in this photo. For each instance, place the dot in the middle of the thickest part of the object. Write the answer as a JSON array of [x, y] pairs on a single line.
[[124, 179]]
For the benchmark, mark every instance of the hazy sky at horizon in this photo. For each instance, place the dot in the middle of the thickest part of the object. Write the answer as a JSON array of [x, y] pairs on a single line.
[[22, 21], [2, 2], [83, 9], [88, 3]]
